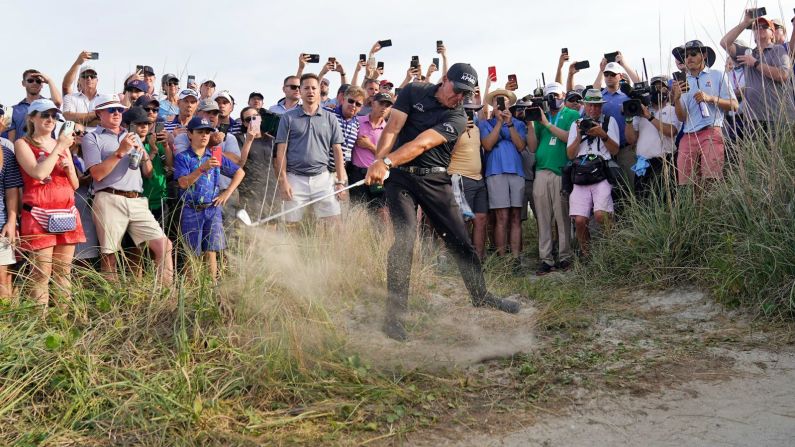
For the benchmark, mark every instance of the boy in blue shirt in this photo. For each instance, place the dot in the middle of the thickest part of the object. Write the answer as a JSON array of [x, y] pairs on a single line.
[[198, 173]]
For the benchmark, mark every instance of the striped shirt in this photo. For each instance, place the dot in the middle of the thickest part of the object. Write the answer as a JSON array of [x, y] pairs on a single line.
[[234, 126], [350, 129], [9, 176], [171, 126]]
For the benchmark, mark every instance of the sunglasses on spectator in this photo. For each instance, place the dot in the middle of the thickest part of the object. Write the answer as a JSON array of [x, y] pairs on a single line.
[[756, 27], [293, 87], [249, 119], [80, 133], [610, 75], [151, 109], [88, 76], [172, 83], [693, 53], [48, 115], [213, 112], [36, 80], [355, 102], [113, 110]]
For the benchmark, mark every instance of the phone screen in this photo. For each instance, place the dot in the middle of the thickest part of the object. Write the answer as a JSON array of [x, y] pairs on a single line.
[[362, 57], [501, 103], [380, 65], [94, 56], [436, 62], [159, 127]]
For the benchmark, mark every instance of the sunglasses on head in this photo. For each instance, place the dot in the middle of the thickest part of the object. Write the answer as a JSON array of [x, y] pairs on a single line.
[[36, 80], [293, 87], [249, 119], [48, 115], [355, 102], [88, 76]]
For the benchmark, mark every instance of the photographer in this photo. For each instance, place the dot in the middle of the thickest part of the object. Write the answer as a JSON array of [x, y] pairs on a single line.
[[700, 102], [589, 145], [547, 139], [768, 90], [503, 138], [653, 133]]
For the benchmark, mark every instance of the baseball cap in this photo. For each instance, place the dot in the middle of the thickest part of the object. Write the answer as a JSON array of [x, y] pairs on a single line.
[[42, 105], [226, 95], [765, 21], [207, 105], [325, 81], [169, 76], [208, 80], [147, 70], [385, 82], [779, 24], [107, 102], [554, 87], [662, 78], [197, 123], [255, 95], [463, 76], [573, 96], [135, 115], [138, 85], [86, 68], [384, 97], [145, 100], [188, 92], [613, 67]]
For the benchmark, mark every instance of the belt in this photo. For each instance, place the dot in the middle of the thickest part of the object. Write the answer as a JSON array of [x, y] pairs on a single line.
[[416, 170], [199, 206], [128, 194], [702, 129]]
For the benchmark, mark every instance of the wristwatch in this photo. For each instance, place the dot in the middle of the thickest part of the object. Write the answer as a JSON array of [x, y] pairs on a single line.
[[387, 162]]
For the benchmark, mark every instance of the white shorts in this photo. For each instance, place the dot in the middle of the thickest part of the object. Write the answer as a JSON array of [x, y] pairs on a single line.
[[306, 189]]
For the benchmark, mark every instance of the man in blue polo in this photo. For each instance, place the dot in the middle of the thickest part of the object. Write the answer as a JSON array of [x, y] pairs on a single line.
[[32, 80], [292, 96], [302, 154], [614, 108], [188, 103]]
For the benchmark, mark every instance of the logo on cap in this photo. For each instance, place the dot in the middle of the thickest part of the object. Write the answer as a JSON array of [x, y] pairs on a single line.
[[468, 78]]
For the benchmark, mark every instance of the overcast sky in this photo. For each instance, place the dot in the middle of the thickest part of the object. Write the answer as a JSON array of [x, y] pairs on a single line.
[[253, 45]]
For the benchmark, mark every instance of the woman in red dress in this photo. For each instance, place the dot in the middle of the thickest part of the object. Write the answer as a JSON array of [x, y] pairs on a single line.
[[50, 182]]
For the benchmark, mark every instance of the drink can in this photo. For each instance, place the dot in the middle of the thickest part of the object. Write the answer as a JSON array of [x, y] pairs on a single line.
[[702, 106], [135, 159]]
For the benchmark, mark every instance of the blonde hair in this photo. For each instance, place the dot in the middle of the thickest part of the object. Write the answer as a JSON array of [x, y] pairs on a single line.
[[355, 92]]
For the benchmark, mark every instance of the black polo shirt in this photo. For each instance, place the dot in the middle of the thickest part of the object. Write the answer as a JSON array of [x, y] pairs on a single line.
[[425, 112]]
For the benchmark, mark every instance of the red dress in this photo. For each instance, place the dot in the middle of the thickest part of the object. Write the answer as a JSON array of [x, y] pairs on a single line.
[[56, 192]]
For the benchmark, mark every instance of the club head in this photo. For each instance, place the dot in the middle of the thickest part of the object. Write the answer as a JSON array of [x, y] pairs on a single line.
[[244, 217]]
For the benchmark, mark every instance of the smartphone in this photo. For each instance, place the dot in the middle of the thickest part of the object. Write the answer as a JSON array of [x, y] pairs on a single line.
[[223, 128], [94, 56], [493, 74], [191, 79], [313, 58], [333, 62], [501, 102], [255, 122], [415, 61], [582, 65], [397, 90], [385, 43], [436, 62], [362, 57], [611, 57], [139, 68], [159, 127], [681, 77], [564, 51], [218, 154], [756, 13], [470, 114], [380, 65], [68, 127], [439, 45], [512, 78]]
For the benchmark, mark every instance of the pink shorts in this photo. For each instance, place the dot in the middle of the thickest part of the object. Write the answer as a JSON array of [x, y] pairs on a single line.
[[700, 156], [596, 197]]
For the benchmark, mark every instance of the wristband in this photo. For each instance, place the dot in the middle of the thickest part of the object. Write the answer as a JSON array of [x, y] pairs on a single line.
[[757, 63]]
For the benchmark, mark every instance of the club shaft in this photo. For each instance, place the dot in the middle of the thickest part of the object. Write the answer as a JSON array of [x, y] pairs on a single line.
[[283, 213]]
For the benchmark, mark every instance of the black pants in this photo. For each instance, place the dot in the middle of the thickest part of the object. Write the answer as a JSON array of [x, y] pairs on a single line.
[[432, 192], [654, 180], [372, 196]]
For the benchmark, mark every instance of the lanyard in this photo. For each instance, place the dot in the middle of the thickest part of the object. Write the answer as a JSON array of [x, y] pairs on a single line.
[[557, 117]]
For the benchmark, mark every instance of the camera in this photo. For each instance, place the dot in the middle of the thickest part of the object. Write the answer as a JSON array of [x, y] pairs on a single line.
[[530, 108], [587, 124], [639, 96]]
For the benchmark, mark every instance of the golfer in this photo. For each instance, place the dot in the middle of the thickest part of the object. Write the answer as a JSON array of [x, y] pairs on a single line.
[[415, 147]]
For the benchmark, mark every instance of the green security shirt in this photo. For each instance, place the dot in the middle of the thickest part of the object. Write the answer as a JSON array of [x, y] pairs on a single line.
[[552, 157], [155, 186]]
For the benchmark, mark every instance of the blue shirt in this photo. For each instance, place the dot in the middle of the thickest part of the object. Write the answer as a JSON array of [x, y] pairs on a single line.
[[208, 186], [167, 109], [9, 176], [169, 126], [20, 111], [234, 126], [614, 108], [229, 145], [503, 158], [711, 82]]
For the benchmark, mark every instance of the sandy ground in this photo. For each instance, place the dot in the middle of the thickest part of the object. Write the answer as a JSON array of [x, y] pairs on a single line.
[[750, 401]]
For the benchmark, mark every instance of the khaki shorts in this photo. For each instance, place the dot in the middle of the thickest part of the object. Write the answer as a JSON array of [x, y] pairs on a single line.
[[115, 215]]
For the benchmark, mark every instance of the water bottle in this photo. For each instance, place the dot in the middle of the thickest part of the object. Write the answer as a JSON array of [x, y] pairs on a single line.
[[135, 159]]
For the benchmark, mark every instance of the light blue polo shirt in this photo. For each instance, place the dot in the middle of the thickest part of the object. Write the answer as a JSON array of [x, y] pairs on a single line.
[[713, 83]]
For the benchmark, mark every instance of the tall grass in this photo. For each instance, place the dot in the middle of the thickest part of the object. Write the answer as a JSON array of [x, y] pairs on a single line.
[[736, 238], [256, 360]]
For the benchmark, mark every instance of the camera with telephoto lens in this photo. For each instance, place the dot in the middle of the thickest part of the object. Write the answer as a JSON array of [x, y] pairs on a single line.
[[531, 108], [639, 96]]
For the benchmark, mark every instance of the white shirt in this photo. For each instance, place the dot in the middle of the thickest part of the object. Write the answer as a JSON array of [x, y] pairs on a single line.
[[597, 146], [651, 143], [79, 103]]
